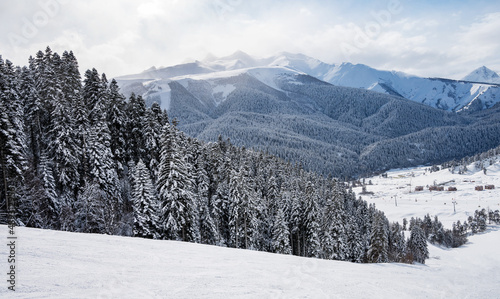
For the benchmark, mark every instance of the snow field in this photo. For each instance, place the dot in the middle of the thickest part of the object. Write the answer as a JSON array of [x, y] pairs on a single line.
[[71, 265], [400, 182]]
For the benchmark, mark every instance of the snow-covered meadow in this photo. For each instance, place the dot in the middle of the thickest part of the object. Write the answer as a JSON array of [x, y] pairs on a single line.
[[399, 188], [53, 264]]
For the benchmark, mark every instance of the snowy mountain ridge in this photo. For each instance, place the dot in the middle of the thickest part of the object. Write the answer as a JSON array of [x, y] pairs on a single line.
[[483, 74], [479, 90], [158, 89]]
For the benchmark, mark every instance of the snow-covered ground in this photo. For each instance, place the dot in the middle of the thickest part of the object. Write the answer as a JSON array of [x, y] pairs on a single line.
[[69, 265], [52, 264], [400, 182]]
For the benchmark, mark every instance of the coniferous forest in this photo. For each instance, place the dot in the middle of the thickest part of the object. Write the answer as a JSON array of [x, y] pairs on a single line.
[[76, 155]]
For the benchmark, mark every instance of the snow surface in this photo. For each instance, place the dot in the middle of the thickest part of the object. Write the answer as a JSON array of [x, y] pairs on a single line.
[[53, 264], [400, 182], [162, 90]]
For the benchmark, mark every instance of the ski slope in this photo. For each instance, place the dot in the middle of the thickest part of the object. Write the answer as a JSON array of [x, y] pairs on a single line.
[[401, 183], [70, 265]]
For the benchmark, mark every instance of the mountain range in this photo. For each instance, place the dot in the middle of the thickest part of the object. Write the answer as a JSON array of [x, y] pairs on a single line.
[[476, 91], [342, 120]]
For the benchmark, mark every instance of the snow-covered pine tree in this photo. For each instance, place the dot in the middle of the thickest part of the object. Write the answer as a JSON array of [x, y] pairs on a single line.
[[136, 113], [296, 214], [48, 91], [459, 235], [280, 233], [92, 96], [12, 140], [219, 190], [251, 210], [334, 237], [33, 109], [101, 165], [175, 190], [481, 218], [117, 122], [208, 230], [312, 243], [379, 242], [146, 206], [397, 243], [417, 244], [48, 205], [355, 245], [62, 146]]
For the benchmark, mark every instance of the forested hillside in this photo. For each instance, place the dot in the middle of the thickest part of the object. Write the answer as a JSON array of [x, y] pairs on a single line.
[[75, 155], [339, 131]]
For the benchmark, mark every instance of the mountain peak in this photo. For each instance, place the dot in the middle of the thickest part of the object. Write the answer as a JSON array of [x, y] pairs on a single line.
[[483, 74], [239, 55]]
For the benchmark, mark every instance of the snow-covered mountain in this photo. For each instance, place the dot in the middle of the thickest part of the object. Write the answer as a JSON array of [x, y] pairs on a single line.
[[275, 105], [212, 88], [483, 74], [480, 90]]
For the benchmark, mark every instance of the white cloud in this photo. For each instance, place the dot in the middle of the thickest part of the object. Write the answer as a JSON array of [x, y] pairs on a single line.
[[120, 37]]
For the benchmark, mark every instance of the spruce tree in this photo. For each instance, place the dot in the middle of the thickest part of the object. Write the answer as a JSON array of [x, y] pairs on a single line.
[[417, 244], [379, 243], [145, 204], [312, 217], [12, 140], [175, 190], [117, 122], [280, 233]]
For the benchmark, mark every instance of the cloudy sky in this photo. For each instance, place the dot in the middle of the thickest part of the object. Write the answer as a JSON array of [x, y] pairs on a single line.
[[428, 38]]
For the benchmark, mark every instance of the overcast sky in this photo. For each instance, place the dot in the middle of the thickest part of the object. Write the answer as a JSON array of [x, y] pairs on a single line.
[[428, 38]]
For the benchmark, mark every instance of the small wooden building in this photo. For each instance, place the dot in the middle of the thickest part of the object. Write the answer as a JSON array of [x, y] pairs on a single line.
[[452, 188], [479, 188], [436, 188], [489, 187], [419, 188]]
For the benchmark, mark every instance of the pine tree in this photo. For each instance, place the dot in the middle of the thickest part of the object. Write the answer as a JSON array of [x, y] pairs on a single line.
[[396, 243], [281, 235], [117, 122], [100, 167], [154, 122], [334, 239], [12, 140], [175, 190], [63, 148], [417, 244], [145, 204], [48, 205], [136, 111], [220, 178], [378, 251], [208, 229], [312, 218]]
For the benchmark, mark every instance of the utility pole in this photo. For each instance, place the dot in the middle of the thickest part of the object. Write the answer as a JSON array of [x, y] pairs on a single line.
[[410, 184], [395, 201], [454, 204]]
